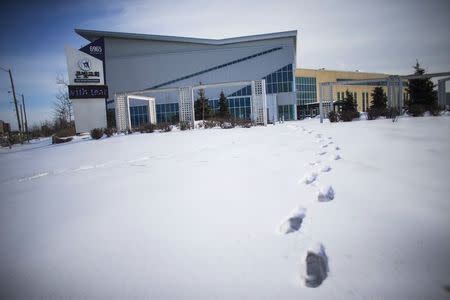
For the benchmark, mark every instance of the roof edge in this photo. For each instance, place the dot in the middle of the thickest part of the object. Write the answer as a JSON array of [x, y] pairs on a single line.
[[92, 35]]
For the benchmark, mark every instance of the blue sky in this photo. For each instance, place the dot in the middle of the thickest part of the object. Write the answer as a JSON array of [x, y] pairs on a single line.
[[380, 36]]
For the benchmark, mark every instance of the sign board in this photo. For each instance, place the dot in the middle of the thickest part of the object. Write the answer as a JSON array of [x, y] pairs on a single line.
[[84, 68], [88, 91], [95, 49]]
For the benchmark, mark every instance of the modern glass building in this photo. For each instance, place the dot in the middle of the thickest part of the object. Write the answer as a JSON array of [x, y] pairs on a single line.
[[135, 62]]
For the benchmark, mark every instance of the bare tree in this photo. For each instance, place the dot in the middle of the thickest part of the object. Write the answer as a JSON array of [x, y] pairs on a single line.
[[62, 106]]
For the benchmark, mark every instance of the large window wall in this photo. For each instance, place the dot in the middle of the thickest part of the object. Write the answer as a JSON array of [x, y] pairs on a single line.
[[239, 107], [280, 81], [138, 115], [167, 113], [286, 112], [306, 94], [306, 90]]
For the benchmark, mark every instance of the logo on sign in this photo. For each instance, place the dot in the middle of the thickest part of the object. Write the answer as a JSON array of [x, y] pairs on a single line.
[[84, 64]]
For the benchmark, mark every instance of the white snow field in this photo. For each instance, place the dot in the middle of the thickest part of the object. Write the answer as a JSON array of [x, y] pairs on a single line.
[[231, 214]]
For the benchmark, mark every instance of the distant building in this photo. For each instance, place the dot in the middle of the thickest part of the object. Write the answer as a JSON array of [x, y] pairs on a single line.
[[4, 127], [307, 84]]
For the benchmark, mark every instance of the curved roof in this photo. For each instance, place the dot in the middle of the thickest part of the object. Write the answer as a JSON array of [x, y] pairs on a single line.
[[92, 35]]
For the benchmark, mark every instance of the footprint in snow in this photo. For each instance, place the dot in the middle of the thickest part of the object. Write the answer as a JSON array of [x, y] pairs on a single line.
[[316, 266], [329, 137], [293, 222], [316, 162], [335, 157], [330, 142], [309, 178], [324, 146], [318, 135], [325, 194], [325, 169], [337, 148], [322, 153]]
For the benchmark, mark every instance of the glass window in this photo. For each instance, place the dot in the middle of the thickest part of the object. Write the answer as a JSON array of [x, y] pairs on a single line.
[[274, 88]]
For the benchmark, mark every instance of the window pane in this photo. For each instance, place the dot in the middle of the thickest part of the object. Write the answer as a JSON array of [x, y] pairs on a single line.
[[279, 77]]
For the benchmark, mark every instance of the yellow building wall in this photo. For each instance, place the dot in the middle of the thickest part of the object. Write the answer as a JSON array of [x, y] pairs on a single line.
[[332, 76]]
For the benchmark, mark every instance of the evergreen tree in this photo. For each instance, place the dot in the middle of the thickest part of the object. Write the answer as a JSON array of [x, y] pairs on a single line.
[[349, 103], [202, 109], [421, 91], [223, 106], [349, 111], [379, 99]]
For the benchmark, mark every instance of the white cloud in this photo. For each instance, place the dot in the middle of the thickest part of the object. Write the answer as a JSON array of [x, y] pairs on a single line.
[[384, 36]]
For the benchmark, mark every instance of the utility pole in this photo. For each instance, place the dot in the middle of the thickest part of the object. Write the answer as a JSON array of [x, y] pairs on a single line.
[[26, 122], [15, 101], [21, 115]]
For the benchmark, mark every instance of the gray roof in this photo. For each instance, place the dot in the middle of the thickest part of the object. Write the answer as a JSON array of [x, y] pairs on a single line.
[[92, 35]]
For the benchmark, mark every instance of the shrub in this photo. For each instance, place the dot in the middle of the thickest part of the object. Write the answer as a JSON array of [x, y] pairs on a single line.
[[244, 123], [185, 126], [435, 110], [65, 132], [416, 110], [146, 128], [59, 140], [376, 112], [227, 125], [165, 127], [211, 124], [110, 131], [333, 116], [96, 133], [392, 113], [348, 115]]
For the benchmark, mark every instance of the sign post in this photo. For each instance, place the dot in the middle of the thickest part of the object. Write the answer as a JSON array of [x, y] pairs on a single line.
[[87, 89]]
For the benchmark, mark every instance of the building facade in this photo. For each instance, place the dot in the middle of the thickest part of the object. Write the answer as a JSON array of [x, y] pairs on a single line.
[[308, 82], [4, 127], [134, 62]]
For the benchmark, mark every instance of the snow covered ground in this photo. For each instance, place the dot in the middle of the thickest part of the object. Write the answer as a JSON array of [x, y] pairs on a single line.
[[231, 214]]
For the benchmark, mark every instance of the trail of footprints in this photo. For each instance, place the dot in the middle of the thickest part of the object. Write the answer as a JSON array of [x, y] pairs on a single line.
[[314, 263]]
